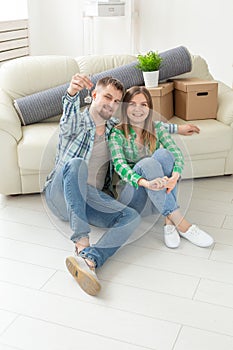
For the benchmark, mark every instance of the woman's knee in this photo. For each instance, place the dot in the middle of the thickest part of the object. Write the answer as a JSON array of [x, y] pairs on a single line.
[[166, 159], [163, 154], [149, 167]]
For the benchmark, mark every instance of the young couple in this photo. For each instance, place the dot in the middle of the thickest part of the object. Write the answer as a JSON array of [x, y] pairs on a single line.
[[79, 189]]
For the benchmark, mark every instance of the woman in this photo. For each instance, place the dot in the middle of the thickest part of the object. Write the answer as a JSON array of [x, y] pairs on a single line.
[[150, 173]]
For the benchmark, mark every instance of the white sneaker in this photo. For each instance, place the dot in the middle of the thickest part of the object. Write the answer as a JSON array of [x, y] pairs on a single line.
[[198, 237], [171, 236], [85, 277]]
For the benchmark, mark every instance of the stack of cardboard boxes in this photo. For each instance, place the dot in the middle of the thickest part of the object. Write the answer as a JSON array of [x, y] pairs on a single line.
[[189, 99]]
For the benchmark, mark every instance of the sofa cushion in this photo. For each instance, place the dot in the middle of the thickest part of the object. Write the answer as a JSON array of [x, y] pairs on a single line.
[[37, 148], [27, 75], [93, 64], [215, 137], [199, 69]]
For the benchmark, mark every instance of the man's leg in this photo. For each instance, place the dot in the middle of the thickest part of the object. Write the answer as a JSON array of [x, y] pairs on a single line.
[[120, 220], [136, 198], [66, 197], [102, 211], [70, 198]]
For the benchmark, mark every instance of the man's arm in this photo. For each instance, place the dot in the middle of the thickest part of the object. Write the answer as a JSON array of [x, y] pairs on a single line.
[[78, 83], [185, 129], [71, 103]]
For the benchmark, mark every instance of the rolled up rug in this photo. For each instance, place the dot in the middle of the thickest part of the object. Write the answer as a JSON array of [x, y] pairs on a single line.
[[48, 103], [175, 62]]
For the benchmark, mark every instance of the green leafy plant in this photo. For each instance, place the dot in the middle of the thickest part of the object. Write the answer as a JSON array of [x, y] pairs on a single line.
[[149, 62]]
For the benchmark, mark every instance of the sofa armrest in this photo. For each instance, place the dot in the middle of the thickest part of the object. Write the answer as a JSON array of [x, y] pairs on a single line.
[[225, 104], [9, 120], [10, 180]]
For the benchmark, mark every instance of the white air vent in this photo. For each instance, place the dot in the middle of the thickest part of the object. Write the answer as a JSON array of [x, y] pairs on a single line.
[[108, 9]]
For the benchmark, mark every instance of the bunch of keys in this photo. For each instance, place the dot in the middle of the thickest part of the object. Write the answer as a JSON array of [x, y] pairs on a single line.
[[88, 98]]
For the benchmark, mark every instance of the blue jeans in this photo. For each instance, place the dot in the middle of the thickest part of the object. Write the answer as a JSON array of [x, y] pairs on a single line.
[[71, 199], [147, 202]]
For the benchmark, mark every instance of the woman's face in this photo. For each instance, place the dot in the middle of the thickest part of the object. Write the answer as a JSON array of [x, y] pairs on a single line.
[[138, 110]]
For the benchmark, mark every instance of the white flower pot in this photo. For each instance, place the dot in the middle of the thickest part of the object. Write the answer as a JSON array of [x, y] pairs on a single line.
[[151, 79]]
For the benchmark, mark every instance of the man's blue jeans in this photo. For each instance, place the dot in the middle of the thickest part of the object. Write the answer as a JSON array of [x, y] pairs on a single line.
[[71, 199], [147, 202]]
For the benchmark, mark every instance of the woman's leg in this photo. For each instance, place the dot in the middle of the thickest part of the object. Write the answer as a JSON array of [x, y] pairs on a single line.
[[185, 228], [159, 165], [137, 199], [167, 161], [150, 168]]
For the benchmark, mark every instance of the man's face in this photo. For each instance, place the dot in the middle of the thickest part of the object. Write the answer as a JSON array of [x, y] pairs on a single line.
[[106, 100]]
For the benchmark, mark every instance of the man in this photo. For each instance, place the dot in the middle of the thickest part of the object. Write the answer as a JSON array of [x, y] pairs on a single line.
[[75, 190]]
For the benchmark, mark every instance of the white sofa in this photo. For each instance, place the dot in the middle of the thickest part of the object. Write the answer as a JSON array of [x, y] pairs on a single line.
[[27, 152]]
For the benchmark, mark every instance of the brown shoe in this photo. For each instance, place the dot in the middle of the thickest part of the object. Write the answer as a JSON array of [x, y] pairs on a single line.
[[84, 276]]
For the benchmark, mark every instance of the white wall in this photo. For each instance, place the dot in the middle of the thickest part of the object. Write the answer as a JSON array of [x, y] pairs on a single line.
[[13, 9], [205, 27], [56, 27]]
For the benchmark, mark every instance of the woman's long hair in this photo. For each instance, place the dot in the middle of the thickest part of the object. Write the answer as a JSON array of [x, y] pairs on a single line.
[[148, 133]]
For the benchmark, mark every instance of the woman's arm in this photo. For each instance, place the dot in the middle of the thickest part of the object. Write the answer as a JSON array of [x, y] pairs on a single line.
[[184, 129], [121, 166], [168, 143]]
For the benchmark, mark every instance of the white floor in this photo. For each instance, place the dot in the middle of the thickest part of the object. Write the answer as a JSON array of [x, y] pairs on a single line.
[[152, 297]]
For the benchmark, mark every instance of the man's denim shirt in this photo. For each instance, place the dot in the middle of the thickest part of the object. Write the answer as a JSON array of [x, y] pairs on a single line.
[[76, 137]]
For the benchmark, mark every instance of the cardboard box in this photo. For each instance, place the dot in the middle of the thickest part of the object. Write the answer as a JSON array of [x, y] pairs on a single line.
[[195, 99], [162, 97]]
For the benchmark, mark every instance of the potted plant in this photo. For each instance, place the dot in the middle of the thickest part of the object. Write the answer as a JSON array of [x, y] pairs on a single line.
[[149, 64]]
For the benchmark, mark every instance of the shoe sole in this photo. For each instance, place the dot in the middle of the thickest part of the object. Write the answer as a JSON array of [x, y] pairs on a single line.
[[207, 245], [85, 280], [171, 247]]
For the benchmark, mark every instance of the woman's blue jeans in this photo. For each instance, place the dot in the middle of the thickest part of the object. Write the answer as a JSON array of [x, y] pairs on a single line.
[[71, 199], [147, 202]]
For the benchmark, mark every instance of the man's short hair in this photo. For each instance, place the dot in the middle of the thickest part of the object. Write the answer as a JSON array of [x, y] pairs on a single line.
[[111, 81]]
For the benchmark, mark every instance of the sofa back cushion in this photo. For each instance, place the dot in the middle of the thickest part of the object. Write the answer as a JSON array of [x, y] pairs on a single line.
[[28, 75], [199, 69], [93, 64]]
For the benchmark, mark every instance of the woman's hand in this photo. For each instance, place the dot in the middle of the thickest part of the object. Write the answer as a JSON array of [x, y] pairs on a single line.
[[155, 185], [172, 181], [160, 183], [188, 129]]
